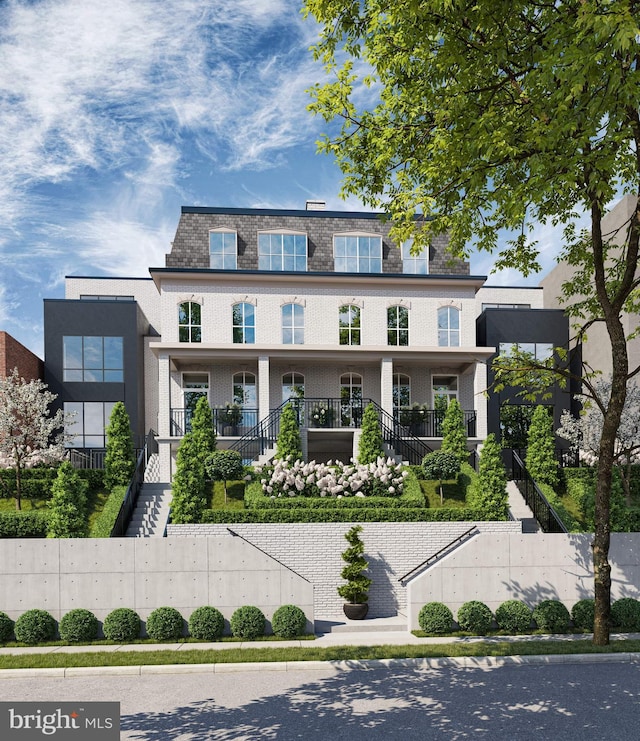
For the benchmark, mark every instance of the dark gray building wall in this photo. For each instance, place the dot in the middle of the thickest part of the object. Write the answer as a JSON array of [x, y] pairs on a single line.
[[190, 248], [494, 326], [99, 319]]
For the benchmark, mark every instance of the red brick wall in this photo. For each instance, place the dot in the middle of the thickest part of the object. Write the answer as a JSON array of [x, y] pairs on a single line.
[[14, 355]]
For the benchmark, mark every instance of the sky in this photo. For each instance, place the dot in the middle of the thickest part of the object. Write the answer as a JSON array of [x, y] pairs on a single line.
[[114, 114]]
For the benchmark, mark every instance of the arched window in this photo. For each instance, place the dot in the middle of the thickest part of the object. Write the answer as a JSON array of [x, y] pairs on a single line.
[[448, 326], [351, 399], [401, 390], [397, 325], [189, 322], [292, 386], [349, 322], [292, 324], [244, 324]]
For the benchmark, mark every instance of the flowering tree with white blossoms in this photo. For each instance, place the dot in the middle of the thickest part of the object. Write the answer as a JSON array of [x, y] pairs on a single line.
[[585, 432], [29, 434], [296, 478]]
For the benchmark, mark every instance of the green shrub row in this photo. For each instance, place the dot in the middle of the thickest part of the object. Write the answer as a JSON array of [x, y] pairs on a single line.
[[36, 483], [28, 524], [347, 514], [163, 624], [514, 616], [105, 521]]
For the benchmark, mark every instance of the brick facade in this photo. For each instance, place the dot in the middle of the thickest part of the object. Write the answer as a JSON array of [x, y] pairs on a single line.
[[15, 355]]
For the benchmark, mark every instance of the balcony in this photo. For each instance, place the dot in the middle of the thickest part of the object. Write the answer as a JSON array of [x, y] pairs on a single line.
[[422, 422], [227, 422]]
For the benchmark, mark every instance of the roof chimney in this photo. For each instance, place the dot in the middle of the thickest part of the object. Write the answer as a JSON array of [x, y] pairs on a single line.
[[316, 206]]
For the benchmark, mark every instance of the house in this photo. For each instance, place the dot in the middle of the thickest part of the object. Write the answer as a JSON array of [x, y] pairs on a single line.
[[257, 307], [14, 355]]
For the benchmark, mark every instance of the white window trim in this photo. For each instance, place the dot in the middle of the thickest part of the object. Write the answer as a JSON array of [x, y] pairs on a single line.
[[451, 375]]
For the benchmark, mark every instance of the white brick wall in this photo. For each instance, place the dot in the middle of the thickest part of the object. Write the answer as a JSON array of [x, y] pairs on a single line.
[[509, 295], [313, 551]]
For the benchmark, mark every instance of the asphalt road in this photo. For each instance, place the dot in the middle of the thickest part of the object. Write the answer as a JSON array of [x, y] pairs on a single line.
[[574, 701]]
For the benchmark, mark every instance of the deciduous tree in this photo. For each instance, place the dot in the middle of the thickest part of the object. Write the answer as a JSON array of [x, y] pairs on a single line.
[[467, 118]]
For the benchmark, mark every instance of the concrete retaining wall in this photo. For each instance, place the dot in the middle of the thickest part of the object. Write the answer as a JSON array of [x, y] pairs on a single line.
[[313, 550], [145, 573], [494, 567]]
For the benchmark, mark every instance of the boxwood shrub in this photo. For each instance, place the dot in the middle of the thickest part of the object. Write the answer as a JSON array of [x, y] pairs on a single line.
[[625, 615], [206, 623], [35, 626], [29, 524], [434, 617], [79, 626], [248, 622], [122, 624], [552, 616], [105, 521], [475, 617], [6, 627], [513, 616], [165, 624], [583, 614], [289, 621], [346, 514]]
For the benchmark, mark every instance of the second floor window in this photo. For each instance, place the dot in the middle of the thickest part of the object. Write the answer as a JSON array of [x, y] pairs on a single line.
[[244, 324], [92, 359], [349, 320], [223, 251], [189, 322], [357, 253], [414, 264], [448, 326], [292, 324], [397, 325], [282, 251]]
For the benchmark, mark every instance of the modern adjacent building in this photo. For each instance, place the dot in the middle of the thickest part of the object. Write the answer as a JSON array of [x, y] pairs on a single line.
[[255, 307]]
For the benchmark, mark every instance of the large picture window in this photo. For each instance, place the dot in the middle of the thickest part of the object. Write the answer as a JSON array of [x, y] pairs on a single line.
[[244, 324], [349, 321], [397, 325], [292, 324], [355, 253], [223, 250], [92, 359], [189, 322], [282, 251], [90, 419]]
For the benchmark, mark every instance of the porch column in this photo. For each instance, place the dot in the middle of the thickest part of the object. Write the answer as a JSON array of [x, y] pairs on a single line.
[[164, 416], [480, 400], [386, 385], [263, 387]]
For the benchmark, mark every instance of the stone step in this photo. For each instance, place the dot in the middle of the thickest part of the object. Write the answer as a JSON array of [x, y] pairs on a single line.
[[340, 624]]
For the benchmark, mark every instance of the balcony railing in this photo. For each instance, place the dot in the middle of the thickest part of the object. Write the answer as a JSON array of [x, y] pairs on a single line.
[[422, 422], [231, 424]]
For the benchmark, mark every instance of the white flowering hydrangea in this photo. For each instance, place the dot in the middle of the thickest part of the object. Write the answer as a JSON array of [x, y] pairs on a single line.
[[295, 478]]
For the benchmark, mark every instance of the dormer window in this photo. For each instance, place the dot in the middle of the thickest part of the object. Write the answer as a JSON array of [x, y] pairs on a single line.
[[223, 249], [357, 253], [283, 251]]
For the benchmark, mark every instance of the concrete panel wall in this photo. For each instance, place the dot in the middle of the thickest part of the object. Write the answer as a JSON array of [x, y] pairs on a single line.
[[143, 574], [494, 567], [313, 551]]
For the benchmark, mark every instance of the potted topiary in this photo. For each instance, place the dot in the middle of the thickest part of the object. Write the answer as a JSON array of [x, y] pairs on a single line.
[[356, 590]]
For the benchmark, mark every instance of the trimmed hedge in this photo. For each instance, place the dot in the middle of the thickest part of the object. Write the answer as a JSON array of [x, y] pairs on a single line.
[[122, 624], [583, 614], [434, 617], [35, 483], [35, 626], [248, 622], [79, 626], [625, 615], [330, 503], [29, 524], [514, 616], [351, 514], [6, 627], [105, 521], [552, 616], [206, 623], [289, 621], [475, 617], [165, 624]]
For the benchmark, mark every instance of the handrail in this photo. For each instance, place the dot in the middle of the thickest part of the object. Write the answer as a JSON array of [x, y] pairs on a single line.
[[259, 438], [535, 499], [400, 439], [273, 558], [133, 490], [433, 557]]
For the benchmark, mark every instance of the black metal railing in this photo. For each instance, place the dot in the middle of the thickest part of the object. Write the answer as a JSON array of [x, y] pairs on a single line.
[[133, 490], [435, 556], [261, 437], [422, 422], [536, 501], [229, 423], [398, 437]]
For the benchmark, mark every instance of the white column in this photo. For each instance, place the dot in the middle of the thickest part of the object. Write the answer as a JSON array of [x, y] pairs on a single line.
[[480, 400], [263, 387], [164, 417], [386, 385]]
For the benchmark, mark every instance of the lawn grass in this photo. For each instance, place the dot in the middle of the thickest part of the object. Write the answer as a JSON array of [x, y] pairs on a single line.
[[311, 653], [26, 505], [454, 492], [235, 496]]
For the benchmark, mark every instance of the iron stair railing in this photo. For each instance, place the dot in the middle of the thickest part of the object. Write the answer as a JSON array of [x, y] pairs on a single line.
[[537, 502], [260, 438], [398, 437]]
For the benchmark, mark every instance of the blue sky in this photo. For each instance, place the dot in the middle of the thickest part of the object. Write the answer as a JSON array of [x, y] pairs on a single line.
[[114, 113]]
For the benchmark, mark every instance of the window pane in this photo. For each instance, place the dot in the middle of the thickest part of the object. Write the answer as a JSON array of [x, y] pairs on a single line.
[[196, 334], [92, 352], [544, 350], [72, 352], [93, 376], [183, 334], [113, 352], [195, 313], [72, 375], [183, 313], [113, 376], [454, 319], [454, 338], [94, 418], [249, 336], [287, 336]]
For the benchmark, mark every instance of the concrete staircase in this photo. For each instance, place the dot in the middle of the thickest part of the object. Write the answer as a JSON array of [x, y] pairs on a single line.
[[151, 514], [519, 510]]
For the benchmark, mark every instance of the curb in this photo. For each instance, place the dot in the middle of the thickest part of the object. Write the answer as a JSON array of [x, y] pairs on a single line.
[[462, 662]]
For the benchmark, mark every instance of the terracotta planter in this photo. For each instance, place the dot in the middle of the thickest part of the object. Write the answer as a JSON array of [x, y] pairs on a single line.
[[356, 610]]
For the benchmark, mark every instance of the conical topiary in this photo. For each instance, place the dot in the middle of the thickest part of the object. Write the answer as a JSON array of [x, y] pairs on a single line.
[[356, 590]]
